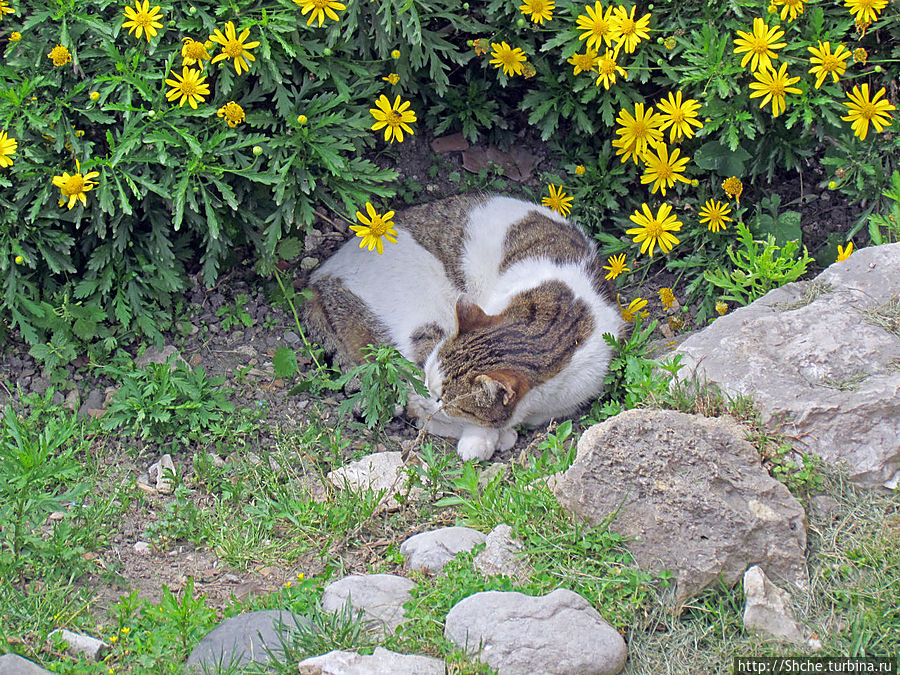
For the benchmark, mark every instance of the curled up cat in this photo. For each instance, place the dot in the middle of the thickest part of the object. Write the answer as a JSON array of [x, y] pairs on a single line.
[[500, 301]]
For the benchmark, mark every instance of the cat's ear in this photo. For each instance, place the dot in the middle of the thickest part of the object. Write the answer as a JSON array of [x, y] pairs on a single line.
[[470, 316], [510, 384]]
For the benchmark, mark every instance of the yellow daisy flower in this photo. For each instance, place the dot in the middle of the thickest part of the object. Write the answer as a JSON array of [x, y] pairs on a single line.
[[773, 87], [790, 9], [232, 112], [828, 63], [677, 116], [394, 119], [759, 46], [540, 10], [584, 63], [142, 19], [60, 55], [597, 26], [15, 36], [864, 110], [481, 46], [374, 228], [714, 214], [653, 230], [579, 170], [5, 9], [7, 149], [319, 9], [190, 86], [558, 201], [733, 188], [666, 297], [234, 47], [633, 310], [637, 131], [506, 57], [664, 170], [615, 265], [608, 69], [624, 29], [393, 78], [844, 253], [860, 55], [865, 11], [193, 52], [75, 186], [721, 308]]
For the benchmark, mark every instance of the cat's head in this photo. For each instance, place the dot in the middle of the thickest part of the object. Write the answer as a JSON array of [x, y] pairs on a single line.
[[471, 373]]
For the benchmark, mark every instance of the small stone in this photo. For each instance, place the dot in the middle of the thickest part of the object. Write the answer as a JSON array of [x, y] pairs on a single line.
[[379, 596], [375, 472], [824, 506], [766, 609], [71, 401], [142, 548], [159, 472], [78, 644], [253, 637], [56, 516], [381, 662], [503, 555], [13, 664], [245, 350], [143, 484], [154, 355], [291, 337], [308, 263], [517, 634], [39, 385], [428, 552], [92, 404]]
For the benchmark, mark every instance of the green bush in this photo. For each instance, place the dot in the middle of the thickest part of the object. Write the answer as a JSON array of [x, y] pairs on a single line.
[[178, 189]]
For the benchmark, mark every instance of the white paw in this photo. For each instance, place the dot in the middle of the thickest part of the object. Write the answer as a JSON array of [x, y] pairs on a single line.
[[477, 443], [508, 439]]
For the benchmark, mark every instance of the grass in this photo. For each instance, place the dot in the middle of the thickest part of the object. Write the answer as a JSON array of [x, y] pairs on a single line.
[[264, 506], [885, 316]]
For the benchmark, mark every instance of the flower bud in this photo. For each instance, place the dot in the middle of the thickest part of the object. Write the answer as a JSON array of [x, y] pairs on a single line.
[[327, 51], [94, 95], [257, 150], [19, 260], [151, 114], [302, 119]]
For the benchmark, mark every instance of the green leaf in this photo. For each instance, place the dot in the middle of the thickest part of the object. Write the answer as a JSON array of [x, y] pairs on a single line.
[[285, 362], [713, 156]]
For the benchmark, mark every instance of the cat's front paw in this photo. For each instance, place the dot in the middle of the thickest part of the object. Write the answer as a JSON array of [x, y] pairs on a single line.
[[508, 438], [477, 443]]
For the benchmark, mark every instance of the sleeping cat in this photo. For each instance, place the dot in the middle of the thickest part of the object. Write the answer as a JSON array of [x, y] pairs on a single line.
[[498, 300]]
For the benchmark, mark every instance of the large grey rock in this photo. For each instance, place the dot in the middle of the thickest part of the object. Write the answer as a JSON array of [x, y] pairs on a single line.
[[13, 664], [817, 363], [429, 551], [767, 610], [503, 555], [381, 662], [691, 498], [245, 638], [517, 634], [380, 597]]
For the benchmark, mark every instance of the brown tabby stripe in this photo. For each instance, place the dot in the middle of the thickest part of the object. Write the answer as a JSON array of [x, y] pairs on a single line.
[[542, 330], [537, 236], [424, 339], [341, 322], [440, 228]]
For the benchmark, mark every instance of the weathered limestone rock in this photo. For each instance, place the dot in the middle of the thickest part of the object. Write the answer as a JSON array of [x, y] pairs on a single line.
[[767, 610], [516, 634], [13, 664], [502, 555], [820, 358], [375, 472], [161, 472], [381, 662], [245, 638], [429, 551], [79, 644], [694, 499], [379, 596]]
